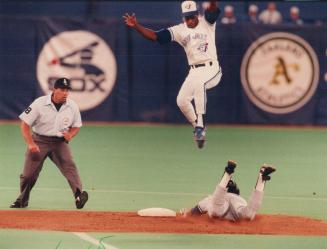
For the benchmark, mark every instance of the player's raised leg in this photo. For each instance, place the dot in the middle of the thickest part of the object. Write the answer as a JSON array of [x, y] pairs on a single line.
[[264, 175], [219, 205], [256, 197], [215, 205], [184, 102], [200, 100]]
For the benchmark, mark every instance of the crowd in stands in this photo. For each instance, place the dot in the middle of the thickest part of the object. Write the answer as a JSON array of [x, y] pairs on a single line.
[[271, 15]]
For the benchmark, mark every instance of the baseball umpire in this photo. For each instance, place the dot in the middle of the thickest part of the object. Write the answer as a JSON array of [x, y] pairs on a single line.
[[197, 36], [226, 202], [55, 119]]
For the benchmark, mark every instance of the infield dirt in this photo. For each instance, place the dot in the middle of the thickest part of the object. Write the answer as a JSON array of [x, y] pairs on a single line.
[[91, 221]]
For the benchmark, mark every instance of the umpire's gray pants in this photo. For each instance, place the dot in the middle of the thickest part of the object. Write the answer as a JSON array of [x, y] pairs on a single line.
[[59, 152]]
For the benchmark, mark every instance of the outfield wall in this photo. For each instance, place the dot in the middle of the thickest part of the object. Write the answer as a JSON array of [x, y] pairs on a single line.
[[119, 76]]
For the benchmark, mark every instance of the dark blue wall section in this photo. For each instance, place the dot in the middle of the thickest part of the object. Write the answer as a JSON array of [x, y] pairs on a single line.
[[149, 75], [154, 10]]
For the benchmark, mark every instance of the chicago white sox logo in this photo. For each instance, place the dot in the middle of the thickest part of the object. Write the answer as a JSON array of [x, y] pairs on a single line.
[[84, 58]]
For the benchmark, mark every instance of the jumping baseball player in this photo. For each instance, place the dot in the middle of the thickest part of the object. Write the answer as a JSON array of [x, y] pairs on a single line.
[[55, 120], [197, 36], [226, 202]]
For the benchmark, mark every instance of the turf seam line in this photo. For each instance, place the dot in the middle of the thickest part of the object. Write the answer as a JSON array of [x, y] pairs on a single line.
[[167, 193]]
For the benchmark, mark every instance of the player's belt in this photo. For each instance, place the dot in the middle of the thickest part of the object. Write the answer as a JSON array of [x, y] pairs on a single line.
[[200, 65], [49, 138]]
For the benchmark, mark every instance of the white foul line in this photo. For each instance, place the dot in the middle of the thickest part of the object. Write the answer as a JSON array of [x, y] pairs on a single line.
[[306, 198], [94, 241]]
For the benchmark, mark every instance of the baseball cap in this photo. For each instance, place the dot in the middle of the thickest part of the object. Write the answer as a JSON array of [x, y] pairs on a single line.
[[228, 8], [295, 10], [253, 8], [62, 83], [189, 8]]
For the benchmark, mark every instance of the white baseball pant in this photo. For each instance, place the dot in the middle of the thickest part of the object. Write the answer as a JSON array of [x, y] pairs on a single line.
[[198, 81]]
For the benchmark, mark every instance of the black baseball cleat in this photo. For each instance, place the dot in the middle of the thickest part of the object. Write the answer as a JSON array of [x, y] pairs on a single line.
[[199, 136], [265, 171], [19, 204], [231, 165], [81, 200]]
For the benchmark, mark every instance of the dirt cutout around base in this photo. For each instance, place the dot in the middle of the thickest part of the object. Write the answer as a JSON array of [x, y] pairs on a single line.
[[85, 221]]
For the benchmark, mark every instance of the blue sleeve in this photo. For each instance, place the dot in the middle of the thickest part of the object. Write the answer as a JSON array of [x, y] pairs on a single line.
[[163, 36], [211, 17]]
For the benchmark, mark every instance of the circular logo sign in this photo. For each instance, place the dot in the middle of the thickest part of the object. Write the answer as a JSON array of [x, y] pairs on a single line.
[[85, 59], [280, 72]]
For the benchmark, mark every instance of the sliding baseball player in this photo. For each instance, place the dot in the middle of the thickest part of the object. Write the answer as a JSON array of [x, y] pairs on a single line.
[[226, 202]]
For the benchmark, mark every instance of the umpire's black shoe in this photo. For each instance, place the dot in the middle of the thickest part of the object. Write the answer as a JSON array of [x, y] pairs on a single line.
[[231, 165], [19, 204], [81, 200], [265, 171], [199, 136]]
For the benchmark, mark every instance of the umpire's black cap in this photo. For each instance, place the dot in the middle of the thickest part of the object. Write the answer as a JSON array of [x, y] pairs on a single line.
[[62, 83]]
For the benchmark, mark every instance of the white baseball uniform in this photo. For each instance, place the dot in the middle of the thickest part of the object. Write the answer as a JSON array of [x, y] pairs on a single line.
[[231, 206], [200, 48], [226, 203]]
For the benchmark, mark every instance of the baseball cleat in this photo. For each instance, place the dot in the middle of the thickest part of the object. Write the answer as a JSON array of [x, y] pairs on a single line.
[[195, 211], [185, 212], [18, 204], [265, 171], [81, 200], [231, 165], [199, 136]]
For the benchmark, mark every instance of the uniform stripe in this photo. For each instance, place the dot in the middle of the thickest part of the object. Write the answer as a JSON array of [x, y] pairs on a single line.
[[200, 209], [205, 90], [172, 34]]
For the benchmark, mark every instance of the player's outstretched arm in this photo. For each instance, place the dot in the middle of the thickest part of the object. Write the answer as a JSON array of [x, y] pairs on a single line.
[[212, 6], [212, 12], [131, 21]]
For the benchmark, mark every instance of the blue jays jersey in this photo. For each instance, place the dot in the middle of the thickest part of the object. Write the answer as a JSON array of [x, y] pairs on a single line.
[[199, 42]]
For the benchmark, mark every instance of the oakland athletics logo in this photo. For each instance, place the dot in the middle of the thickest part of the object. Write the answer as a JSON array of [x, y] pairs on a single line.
[[280, 72]]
